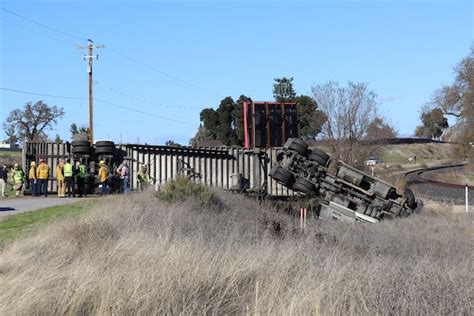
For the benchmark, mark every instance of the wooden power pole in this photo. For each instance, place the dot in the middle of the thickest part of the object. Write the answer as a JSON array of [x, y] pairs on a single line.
[[90, 48]]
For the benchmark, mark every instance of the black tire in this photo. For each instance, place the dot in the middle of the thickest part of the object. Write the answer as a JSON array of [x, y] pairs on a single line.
[[104, 143], [410, 198], [80, 143], [105, 150], [303, 185], [319, 156], [281, 176], [81, 150], [299, 146]]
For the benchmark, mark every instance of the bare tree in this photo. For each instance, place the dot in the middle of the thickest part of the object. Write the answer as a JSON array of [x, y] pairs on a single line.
[[349, 111], [33, 121]]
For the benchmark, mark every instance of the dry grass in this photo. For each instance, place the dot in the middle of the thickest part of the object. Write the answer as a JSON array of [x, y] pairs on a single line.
[[137, 255]]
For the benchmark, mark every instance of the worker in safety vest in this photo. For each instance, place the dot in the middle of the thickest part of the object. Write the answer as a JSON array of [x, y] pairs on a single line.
[[81, 175], [18, 176], [32, 179], [144, 179], [60, 178], [69, 178], [104, 177], [42, 175]]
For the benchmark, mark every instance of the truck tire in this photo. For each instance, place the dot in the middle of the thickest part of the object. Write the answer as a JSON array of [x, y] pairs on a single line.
[[319, 156], [105, 150], [282, 176], [410, 198], [80, 143], [299, 146], [85, 150], [303, 185], [104, 143]]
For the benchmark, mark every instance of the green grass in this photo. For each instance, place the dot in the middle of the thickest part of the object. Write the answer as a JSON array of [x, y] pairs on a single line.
[[10, 153], [19, 225]]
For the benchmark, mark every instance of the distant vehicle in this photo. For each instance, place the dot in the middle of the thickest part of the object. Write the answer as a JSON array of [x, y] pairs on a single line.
[[372, 161]]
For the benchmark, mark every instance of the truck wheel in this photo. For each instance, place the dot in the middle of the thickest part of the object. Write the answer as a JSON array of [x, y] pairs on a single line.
[[303, 185], [410, 198], [281, 175], [104, 143], [319, 156], [81, 150], [299, 146], [80, 143], [105, 150]]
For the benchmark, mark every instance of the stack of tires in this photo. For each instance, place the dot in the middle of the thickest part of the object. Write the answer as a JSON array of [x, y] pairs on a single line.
[[81, 147], [104, 147]]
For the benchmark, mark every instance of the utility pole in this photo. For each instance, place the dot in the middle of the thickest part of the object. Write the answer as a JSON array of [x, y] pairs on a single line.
[[89, 48]]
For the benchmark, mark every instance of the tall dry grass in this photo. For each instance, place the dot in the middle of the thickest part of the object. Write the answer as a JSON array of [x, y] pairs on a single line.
[[138, 255]]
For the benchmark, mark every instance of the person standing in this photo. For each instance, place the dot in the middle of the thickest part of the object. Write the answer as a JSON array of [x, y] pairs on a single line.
[[32, 179], [69, 179], [42, 175], [81, 174], [3, 179], [60, 178], [144, 179], [124, 172], [104, 177], [18, 176]]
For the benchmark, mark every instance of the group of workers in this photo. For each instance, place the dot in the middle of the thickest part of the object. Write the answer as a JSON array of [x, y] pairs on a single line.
[[70, 179]]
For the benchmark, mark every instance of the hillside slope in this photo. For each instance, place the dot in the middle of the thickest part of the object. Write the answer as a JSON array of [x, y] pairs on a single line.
[[137, 255]]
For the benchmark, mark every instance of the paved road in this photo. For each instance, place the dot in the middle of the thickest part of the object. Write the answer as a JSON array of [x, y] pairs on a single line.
[[13, 205]]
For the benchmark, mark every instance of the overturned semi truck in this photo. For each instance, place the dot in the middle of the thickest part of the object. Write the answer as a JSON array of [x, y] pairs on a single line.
[[348, 195]]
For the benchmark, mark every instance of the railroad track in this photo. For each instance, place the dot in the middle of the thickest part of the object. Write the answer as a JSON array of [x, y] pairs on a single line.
[[438, 190]]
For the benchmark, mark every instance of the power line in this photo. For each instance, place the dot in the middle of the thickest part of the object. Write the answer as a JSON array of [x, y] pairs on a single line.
[[37, 32], [163, 73], [131, 59], [42, 94], [99, 100], [145, 100], [44, 25]]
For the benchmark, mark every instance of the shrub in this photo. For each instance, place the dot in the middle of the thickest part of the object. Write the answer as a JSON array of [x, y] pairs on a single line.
[[182, 189]]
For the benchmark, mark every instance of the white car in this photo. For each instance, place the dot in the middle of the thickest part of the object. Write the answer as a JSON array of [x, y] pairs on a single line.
[[372, 161]]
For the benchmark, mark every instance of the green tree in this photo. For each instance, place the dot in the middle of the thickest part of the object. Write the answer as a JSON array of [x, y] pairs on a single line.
[[283, 90], [172, 143], [58, 139], [33, 121], [380, 129], [79, 133], [201, 134], [311, 119], [434, 123], [226, 126], [239, 118]]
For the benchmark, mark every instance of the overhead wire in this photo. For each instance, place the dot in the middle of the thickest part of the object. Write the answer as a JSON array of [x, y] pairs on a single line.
[[145, 100], [131, 59], [102, 101], [43, 25]]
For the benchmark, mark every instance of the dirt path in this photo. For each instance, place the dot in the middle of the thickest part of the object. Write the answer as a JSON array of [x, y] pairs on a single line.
[[13, 205]]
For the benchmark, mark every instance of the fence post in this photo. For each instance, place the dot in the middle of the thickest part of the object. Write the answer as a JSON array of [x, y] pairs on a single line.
[[467, 197]]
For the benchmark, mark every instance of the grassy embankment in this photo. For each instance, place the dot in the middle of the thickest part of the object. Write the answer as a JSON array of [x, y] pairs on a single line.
[[20, 225], [193, 252]]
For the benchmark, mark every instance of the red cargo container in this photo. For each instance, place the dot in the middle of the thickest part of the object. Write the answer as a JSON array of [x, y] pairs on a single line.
[[269, 124]]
